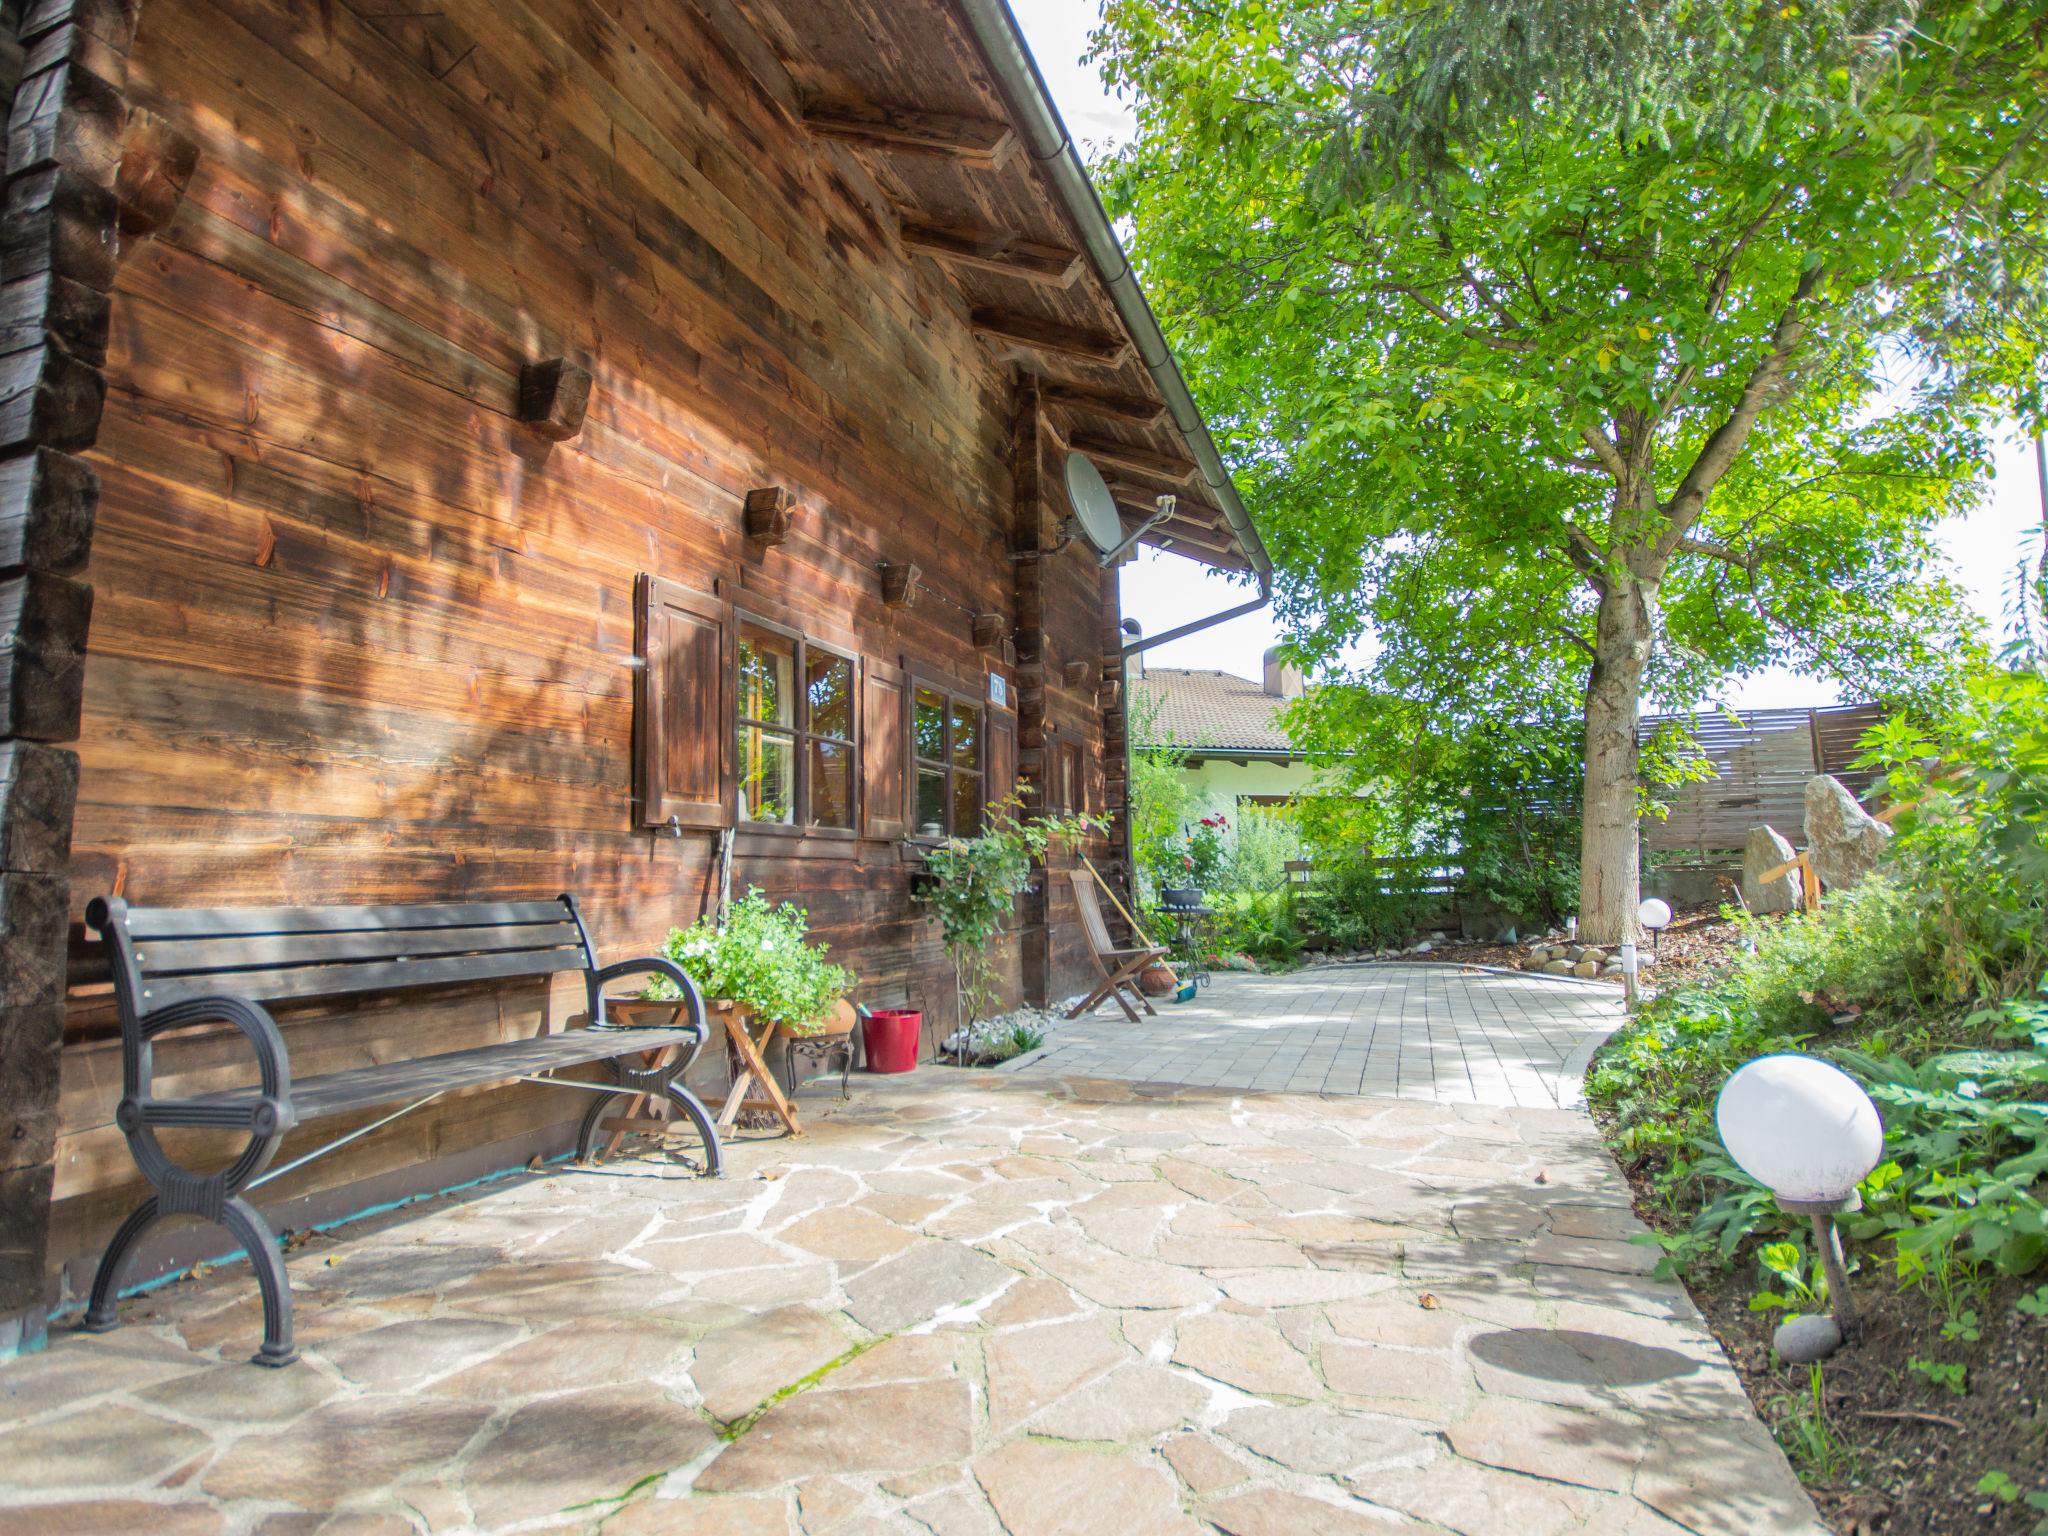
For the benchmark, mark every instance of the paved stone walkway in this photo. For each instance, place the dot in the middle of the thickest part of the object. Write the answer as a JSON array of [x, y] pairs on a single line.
[[964, 1305], [1454, 1034]]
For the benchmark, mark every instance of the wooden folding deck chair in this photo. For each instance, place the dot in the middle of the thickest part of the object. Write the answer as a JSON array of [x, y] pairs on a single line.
[[1120, 967]]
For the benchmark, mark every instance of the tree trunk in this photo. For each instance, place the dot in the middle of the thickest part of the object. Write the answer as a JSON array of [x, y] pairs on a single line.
[[1609, 861]]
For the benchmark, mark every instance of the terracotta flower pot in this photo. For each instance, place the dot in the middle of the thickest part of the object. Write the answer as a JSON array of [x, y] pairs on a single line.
[[840, 1022], [1158, 980]]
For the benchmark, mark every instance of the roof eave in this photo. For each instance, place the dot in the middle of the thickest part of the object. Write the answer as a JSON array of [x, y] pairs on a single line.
[[1046, 136]]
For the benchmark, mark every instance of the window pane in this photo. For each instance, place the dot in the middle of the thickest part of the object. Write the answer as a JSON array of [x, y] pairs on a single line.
[[828, 682], [767, 769], [929, 726], [966, 803], [966, 736], [831, 784], [767, 662], [931, 802]]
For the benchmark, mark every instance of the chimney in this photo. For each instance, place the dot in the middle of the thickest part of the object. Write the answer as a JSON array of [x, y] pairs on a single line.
[[1136, 631], [1282, 682]]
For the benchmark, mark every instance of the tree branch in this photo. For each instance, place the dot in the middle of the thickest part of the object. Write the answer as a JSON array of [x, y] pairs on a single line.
[[1588, 556], [1745, 563], [1724, 445], [1605, 451]]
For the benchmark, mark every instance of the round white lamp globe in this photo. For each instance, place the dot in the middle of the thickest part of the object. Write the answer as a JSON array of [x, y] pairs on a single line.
[[1654, 913], [1800, 1127]]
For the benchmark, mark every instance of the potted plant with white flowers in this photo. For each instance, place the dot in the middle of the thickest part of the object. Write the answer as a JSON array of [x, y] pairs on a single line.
[[759, 964]]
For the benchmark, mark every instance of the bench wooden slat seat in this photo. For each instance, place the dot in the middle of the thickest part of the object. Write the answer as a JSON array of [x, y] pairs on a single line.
[[337, 1093], [179, 967]]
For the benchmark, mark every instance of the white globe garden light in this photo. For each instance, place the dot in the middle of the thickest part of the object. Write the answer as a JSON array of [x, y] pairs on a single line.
[[1800, 1127], [1807, 1132], [1654, 914]]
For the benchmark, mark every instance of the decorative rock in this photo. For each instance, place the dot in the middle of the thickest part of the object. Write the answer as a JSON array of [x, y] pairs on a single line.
[[1558, 967], [1803, 1340], [1843, 841], [1765, 850], [1586, 968], [1593, 953]]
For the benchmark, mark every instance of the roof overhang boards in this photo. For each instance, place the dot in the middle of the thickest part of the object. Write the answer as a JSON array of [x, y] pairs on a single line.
[[1097, 416]]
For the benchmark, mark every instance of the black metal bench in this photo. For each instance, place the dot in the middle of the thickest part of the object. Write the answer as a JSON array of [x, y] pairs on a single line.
[[178, 967]]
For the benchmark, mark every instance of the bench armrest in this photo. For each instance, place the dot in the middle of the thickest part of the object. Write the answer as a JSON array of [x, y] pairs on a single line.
[[658, 965], [266, 1117]]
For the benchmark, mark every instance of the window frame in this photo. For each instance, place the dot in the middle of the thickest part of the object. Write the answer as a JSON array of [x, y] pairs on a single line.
[[799, 731], [952, 693]]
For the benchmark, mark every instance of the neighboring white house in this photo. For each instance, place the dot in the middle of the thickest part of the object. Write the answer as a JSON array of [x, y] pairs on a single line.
[[1237, 752]]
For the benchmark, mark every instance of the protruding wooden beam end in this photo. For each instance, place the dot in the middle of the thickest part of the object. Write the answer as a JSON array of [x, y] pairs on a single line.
[[157, 163], [899, 584], [553, 396], [768, 514]]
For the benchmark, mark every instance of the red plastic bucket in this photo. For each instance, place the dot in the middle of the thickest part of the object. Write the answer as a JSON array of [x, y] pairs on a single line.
[[891, 1036]]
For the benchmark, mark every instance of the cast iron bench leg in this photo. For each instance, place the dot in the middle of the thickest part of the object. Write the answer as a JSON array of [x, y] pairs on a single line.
[[100, 1316], [254, 1234], [693, 1110], [267, 1259]]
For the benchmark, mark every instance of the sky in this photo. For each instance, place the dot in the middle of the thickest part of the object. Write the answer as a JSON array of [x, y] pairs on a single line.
[[1162, 591]]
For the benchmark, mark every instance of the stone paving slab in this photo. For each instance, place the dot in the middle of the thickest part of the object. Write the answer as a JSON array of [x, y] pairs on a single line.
[[1448, 1033], [963, 1305]]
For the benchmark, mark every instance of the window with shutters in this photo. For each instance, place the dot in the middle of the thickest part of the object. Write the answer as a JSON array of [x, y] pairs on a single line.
[[1073, 791], [681, 765], [795, 724], [884, 789], [947, 763]]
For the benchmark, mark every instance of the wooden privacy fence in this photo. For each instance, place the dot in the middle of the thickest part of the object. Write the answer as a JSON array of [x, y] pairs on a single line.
[[1762, 760]]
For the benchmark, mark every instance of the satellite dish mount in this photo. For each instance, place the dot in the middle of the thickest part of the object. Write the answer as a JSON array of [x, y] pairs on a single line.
[[1096, 515]]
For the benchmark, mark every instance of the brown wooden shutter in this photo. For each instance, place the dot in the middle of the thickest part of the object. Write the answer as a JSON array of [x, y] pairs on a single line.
[[685, 722], [884, 750], [1001, 762]]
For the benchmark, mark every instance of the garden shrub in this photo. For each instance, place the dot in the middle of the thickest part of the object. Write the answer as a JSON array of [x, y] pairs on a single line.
[[1923, 983]]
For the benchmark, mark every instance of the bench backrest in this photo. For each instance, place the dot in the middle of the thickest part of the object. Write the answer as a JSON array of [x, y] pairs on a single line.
[[164, 955]]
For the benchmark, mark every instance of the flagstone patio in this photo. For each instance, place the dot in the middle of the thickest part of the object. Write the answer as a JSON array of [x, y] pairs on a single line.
[[1458, 1034], [966, 1304]]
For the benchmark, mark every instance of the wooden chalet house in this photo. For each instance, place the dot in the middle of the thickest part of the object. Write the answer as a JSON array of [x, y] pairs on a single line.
[[488, 449]]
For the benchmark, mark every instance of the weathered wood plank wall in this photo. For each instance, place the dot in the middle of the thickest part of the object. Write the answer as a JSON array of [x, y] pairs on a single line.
[[361, 636]]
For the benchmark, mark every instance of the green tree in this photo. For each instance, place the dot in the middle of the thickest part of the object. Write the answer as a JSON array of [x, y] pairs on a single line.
[[1575, 350]]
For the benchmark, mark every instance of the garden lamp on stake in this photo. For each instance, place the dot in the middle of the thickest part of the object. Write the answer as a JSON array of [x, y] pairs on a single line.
[[1807, 1132], [1654, 915]]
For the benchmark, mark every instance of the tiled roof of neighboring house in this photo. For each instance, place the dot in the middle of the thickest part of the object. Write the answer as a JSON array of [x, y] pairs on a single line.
[[1215, 711]]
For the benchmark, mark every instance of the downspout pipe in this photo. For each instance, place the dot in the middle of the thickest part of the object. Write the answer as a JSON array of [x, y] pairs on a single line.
[[1045, 136]]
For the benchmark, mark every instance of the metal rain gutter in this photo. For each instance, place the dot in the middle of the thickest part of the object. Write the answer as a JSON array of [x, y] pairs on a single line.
[[1046, 137]]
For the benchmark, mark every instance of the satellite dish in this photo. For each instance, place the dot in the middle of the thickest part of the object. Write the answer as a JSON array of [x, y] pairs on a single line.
[[1094, 507]]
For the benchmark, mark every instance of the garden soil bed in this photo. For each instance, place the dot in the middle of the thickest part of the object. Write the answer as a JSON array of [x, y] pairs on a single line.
[[1899, 1455]]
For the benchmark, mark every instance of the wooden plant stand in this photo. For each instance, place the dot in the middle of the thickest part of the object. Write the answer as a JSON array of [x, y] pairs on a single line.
[[753, 1086]]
